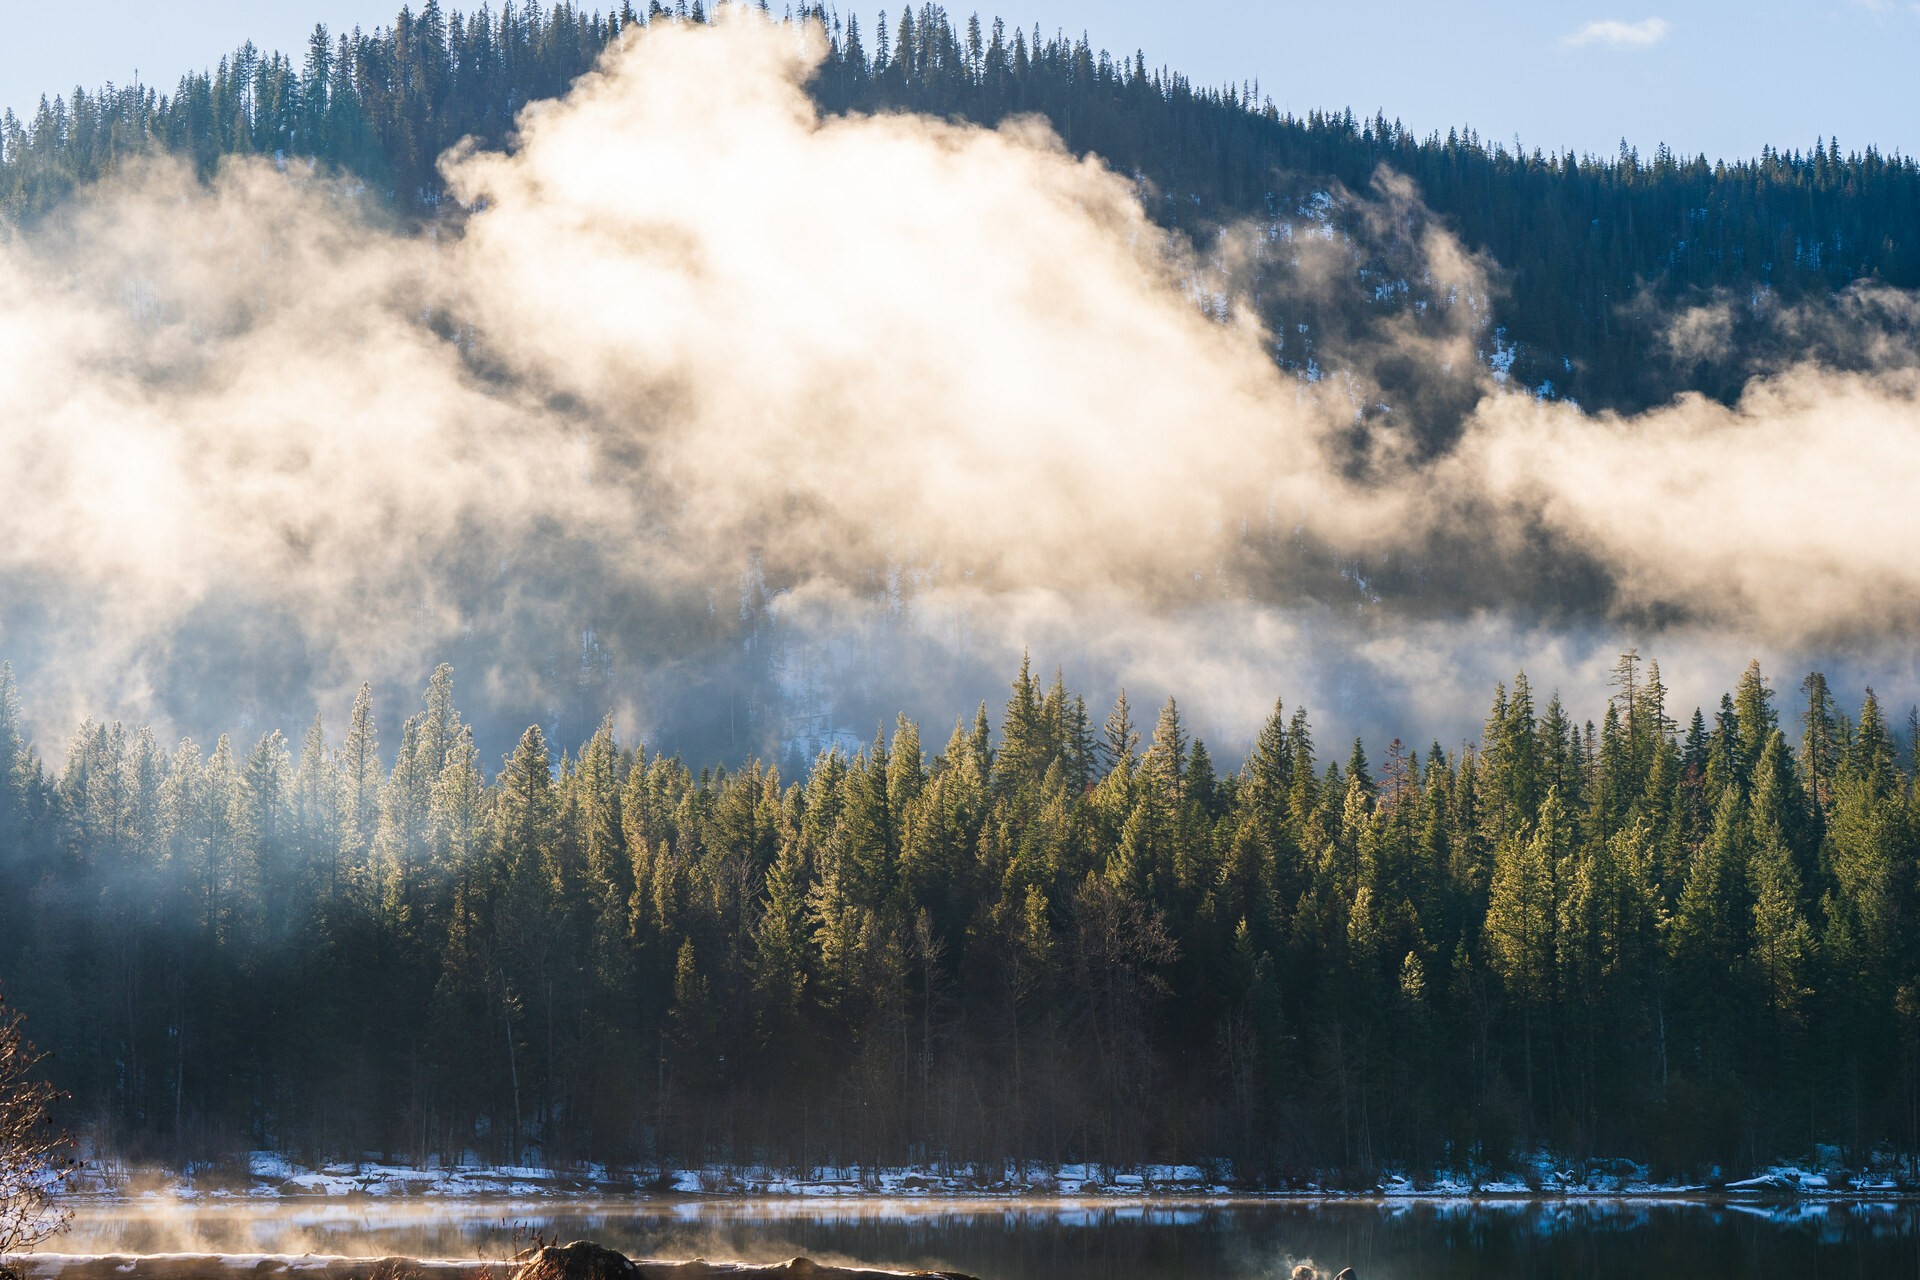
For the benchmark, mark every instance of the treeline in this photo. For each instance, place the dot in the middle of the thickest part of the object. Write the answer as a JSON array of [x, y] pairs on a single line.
[[1596, 251], [1054, 941]]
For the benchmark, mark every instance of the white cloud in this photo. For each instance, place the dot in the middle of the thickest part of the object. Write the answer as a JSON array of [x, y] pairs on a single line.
[[1620, 35], [941, 390]]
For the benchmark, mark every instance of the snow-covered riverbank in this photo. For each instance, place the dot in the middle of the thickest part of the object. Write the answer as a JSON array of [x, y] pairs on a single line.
[[270, 1175]]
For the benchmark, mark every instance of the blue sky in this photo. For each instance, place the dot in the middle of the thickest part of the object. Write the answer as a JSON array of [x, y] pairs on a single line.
[[1701, 75]]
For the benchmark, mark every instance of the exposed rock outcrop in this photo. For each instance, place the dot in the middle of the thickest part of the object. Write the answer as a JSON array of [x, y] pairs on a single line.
[[583, 1260]]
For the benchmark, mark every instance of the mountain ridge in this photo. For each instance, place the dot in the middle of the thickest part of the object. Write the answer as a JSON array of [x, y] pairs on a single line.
[[1608, 266]]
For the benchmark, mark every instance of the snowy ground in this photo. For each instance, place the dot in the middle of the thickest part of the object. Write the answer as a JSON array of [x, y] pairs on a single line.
[[268, 1174]]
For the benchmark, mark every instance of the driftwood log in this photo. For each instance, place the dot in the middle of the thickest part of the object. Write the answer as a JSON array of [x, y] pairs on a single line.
[[577, 1261]]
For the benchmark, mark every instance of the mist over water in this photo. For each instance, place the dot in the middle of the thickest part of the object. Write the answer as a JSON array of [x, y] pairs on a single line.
[[753, 427], [1014, 1240]]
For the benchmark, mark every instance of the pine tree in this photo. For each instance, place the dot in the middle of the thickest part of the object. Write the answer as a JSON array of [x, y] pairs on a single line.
[[359, 771], [1522, 920], [263, 821], [1782, 937], [1753, 710], [13, 752], [1710, 927], [1164, 768], [1819, 743], [1121, 745]]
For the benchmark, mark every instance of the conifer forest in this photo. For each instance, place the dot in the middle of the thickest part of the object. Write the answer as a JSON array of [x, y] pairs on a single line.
[[1061, 927], [1626, 929]]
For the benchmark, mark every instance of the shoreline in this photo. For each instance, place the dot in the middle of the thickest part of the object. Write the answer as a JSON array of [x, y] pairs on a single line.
[[170, 1199], [270, 1178], [370, 1237], [311, 1266]]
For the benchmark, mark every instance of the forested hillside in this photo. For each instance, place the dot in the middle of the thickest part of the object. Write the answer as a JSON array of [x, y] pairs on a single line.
[[1687, 943], [1595, 254], [1612, 930]]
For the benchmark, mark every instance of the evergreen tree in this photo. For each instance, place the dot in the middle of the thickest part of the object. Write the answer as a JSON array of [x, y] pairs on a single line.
[[612, 956]]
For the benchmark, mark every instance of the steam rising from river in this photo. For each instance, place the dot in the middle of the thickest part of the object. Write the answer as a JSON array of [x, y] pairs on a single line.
[[719, 413]]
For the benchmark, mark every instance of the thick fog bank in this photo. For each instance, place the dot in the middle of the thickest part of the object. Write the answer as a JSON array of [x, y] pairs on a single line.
[[752, 427]]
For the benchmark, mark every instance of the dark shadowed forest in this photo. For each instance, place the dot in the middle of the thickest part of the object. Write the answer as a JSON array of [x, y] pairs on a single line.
[[1055, 937]]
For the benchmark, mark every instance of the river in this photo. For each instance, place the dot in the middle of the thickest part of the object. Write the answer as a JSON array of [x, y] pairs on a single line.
[[1029, 1240]]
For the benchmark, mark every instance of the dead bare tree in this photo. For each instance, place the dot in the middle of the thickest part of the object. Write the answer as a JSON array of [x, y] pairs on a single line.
[[35, 1158]]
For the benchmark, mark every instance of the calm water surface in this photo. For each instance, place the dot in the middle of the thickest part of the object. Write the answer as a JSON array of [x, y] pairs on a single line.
[[1031, 1240]]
